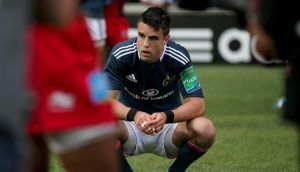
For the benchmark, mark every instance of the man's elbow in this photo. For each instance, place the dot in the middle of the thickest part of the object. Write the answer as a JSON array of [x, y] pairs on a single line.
[[201, 108]]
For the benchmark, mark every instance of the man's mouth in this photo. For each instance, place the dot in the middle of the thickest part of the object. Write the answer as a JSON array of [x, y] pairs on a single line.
[[145, 53]]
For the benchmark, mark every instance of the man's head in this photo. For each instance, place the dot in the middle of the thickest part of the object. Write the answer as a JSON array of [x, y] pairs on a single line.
[[156, 18], [153, 28]]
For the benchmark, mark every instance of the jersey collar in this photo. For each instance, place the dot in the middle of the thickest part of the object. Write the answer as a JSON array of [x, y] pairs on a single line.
[[161, 57]]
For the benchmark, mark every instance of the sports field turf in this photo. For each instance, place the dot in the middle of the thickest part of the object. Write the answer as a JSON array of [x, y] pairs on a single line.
[[251, 135]]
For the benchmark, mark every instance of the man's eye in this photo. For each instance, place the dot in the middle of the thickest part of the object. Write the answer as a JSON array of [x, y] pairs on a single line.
[[154, 38], [141, 36]]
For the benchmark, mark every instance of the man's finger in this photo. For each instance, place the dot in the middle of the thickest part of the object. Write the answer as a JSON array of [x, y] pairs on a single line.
[[143, 124]]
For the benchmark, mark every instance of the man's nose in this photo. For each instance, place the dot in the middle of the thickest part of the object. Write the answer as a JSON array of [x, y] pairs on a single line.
[[146, 42]]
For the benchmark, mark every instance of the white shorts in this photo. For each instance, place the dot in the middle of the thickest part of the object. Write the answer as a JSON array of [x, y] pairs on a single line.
[[160, 144], [62, 142], [97, 29]]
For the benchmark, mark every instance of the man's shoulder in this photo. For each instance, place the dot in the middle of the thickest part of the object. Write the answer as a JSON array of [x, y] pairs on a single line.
[[177, 53], [176, 45], [124, 49]]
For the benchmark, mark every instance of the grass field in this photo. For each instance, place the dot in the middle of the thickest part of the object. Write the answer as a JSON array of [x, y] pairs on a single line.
[[251, 136]]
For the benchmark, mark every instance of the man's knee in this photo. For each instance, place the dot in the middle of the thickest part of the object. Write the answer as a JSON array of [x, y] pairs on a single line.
[[203, 131], [122, 132]]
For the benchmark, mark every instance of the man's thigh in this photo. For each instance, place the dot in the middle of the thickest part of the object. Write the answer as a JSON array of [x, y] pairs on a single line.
[[87, 149], [100, 155], [160, 144], [180, 134], [193, 129], [74, 139]]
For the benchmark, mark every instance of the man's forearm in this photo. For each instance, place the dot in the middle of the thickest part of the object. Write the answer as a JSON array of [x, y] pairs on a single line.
[[120, 109], [192, 108]]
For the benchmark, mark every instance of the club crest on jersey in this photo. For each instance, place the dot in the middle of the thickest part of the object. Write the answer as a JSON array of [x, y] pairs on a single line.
[[169, 80], [59, 101], [150, 92], [131, 78], [190, 80]]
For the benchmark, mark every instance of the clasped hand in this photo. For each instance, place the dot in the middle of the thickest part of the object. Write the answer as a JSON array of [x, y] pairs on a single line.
[[150, 124]]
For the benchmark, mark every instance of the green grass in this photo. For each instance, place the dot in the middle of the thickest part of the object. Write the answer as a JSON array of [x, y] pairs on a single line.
[[251, 136]]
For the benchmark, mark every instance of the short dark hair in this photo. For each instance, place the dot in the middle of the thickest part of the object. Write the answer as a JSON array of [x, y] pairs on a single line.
[[156, 18]]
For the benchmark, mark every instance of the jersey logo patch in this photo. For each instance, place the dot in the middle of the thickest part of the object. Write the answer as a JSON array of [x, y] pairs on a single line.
[[98, 85], [131, 78], [169, 80], [59, 101], [190, 80], [150, 92]]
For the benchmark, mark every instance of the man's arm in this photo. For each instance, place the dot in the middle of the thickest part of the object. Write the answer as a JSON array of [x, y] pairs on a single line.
[[192, 107], [140, 118], [120, 109], [55, 12]]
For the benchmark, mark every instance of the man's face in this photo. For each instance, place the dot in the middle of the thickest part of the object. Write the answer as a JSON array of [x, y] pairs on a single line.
[[150, 43]]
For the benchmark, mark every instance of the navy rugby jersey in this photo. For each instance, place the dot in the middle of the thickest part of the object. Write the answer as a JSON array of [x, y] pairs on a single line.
[[152, 87]]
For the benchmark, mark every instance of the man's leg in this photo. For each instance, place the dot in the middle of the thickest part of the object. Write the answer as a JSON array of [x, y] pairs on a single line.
[[90, 148], [125, 167], [194, 138], [100, 155], [40, 154], [123, 135], [97, 29], [9, 153]]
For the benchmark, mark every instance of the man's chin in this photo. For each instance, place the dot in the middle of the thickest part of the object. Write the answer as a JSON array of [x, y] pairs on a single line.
[[147, 59]]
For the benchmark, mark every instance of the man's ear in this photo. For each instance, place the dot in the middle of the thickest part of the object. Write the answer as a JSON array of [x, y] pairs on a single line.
[[166, 39]]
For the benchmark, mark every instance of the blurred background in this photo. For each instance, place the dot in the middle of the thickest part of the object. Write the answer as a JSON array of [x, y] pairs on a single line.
[[243, 94], [211, 34]]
